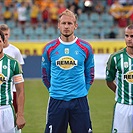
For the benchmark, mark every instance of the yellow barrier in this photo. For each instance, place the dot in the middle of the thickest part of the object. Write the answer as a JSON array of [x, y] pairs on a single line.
[[107, 46], [36, 48]]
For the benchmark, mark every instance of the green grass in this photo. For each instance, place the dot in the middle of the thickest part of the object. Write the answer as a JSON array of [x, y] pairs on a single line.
[[101, 101]]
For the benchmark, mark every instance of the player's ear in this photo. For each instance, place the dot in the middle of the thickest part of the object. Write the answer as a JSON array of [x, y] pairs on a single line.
[[58, 26], [76, 26]]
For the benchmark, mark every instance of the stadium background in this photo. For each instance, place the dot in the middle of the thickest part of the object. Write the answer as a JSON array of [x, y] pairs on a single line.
[[31, 43], [37, 19]]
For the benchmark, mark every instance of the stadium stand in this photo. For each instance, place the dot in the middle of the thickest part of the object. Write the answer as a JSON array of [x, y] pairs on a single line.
[[92, 24]]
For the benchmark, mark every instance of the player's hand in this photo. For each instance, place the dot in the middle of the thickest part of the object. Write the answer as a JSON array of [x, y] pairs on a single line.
[[20, 121]]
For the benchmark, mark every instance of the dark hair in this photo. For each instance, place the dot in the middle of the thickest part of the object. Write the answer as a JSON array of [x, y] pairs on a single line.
[[2, 36]]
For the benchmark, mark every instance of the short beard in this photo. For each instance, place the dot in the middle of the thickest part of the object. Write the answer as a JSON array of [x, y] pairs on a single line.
[[66, 35], [1, 51]]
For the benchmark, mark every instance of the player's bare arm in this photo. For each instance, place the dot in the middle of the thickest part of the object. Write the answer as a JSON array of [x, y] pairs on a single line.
[[111, 85], [20, 121]]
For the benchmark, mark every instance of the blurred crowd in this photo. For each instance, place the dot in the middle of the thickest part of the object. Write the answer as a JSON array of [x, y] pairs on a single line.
[[44, 13]]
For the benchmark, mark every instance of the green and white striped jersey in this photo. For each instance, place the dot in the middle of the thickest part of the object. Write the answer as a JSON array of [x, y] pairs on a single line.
[[120, 68], [9, 67]]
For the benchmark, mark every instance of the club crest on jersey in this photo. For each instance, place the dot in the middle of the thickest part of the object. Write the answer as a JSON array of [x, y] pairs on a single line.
[[4, 67], [2, 79], [129, 76], [76, 52], [66, 62], [66, 50], [126, 64], [43, 59]]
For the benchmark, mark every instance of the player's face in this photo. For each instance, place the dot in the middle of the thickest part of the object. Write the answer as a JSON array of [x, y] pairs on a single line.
[[67, 25], [129, 38], [7, 35], [1, 45]]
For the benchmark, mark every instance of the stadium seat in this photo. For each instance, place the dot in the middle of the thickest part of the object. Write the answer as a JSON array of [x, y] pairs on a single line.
[[80, 24], [86, 36], [108, 24], [95, 32], [29, 31], [94, 17], [50, 31], [83, 17], [105, 32], [106, 17], [44, 37], [39, 31], [83, 31], [90, 36], [17, 31], [88, 24], [33, 37], [21, 37], [12, 37], [116, 30], [11, 24], [54, 36], [76, 32], [99, 25]]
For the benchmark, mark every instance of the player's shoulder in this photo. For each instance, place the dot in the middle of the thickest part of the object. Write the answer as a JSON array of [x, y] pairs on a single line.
[[83, 42], [13, 47], [52, 44], [10, 58], [117, 53]]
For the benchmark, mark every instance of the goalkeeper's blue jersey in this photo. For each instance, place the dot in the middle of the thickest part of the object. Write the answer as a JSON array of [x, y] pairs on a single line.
[[67, 68]]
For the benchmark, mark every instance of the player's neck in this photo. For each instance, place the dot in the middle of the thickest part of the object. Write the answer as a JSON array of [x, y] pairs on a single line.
[[67, 39], [130, 51], [1, 54], [6, 45]]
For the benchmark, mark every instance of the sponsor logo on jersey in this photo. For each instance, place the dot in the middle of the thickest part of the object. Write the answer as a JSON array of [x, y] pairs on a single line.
[[2, 79], [66, 62], [129, 76]]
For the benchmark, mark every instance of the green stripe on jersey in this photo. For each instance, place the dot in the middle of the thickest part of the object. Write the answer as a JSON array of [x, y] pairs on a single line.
[[120, 65], [8, 68]]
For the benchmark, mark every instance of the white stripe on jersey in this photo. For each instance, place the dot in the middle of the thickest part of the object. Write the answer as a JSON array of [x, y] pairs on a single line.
[[8, 74], [0, 85], [116, 93], [122, 68], [130, 85]]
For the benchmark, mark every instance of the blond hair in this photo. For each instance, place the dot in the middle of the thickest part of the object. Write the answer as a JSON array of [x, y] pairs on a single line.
[[67, 12], [130, 27], [4, 27]]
